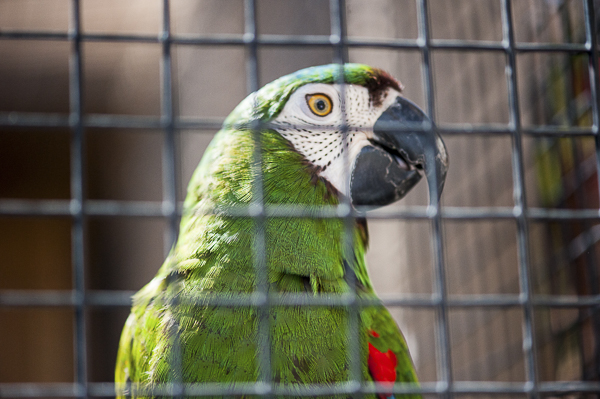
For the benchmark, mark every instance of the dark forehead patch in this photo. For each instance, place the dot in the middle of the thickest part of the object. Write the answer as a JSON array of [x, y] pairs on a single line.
[[378, 83]]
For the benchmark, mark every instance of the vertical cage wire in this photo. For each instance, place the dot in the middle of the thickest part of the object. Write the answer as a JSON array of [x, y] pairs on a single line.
[[169, 204], [338, 40], [591, 41], [168, 120], [77, 200], [444, 360], [259, 249], [520, 201], [78, 208]]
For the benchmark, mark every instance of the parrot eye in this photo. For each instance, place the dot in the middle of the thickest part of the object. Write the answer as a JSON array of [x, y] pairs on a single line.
[[320, 104]]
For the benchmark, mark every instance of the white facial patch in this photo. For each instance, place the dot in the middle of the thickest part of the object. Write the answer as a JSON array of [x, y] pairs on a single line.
[[320, 139]]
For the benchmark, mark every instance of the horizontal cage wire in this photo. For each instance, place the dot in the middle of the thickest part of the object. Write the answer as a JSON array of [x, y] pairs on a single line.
[[535, 232]]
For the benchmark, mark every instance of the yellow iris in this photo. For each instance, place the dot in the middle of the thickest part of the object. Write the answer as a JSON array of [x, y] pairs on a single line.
[[319, 104]]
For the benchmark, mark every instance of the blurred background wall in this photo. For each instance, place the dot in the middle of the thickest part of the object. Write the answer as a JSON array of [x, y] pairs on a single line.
[[36, 344]]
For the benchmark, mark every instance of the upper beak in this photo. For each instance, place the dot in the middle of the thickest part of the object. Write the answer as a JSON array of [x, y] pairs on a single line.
[[401, 146]]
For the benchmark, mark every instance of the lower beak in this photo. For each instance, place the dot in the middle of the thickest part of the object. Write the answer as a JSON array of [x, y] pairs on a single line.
[[401, 147]]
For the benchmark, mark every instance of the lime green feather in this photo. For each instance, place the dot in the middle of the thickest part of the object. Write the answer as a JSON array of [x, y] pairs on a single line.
[[214, 254]]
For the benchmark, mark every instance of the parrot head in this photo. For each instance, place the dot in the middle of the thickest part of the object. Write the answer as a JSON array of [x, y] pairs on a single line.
[[389, 142]]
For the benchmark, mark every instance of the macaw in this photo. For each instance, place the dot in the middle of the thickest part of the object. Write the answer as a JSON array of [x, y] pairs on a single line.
[[307, 161]]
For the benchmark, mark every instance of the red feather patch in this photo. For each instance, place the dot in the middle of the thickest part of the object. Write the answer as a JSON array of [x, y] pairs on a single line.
[[382, 366]]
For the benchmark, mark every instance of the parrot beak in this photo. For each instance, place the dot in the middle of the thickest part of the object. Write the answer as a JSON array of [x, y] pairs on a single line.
[[391, 165]]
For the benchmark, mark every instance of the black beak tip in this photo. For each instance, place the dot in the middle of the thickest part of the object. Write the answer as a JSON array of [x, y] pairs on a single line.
[[436, 169]]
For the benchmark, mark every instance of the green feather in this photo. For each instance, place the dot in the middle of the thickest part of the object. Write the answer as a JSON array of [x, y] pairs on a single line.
[[214, 254]]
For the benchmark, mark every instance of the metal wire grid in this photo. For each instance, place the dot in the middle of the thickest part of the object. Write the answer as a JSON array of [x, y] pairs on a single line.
[[78, 208]]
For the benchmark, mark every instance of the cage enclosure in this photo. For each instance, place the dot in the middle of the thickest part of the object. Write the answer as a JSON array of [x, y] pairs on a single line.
[[107, 106]]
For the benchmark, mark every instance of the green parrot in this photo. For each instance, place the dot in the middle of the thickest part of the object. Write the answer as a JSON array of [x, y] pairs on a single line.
[[175, 334]]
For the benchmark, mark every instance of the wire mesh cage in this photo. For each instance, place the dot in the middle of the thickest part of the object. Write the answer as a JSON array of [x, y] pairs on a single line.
[[106, 108]]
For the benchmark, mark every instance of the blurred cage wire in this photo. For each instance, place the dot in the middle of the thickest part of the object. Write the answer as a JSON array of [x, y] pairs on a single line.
[[499, 292]]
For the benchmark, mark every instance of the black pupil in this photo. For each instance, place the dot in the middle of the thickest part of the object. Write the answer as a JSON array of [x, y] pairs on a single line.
[[321, 105]]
